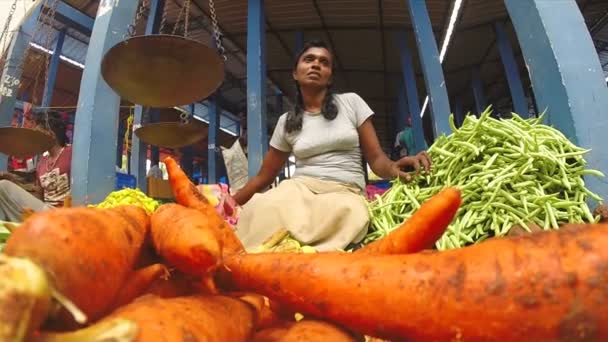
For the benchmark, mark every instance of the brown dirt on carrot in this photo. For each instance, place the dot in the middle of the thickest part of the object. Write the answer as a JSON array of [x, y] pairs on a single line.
[[139, 282], [194, 318], [186, 239], [306, 330], [187, 195], [548, 286]]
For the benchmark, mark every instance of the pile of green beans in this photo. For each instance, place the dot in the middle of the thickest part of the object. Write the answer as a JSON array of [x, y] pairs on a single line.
[[511, 172]]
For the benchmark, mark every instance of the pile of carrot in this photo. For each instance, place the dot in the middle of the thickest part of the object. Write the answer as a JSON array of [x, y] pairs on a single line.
[[181, 274]]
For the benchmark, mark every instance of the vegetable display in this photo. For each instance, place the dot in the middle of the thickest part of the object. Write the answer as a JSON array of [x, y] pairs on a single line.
[[129, 196], [179, 274], [511, 172]]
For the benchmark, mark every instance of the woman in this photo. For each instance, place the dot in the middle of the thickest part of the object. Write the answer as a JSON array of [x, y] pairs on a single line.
[[323, 204], [52, 176]]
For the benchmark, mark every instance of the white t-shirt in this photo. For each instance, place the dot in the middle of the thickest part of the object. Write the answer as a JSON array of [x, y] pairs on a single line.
[[327, 149]]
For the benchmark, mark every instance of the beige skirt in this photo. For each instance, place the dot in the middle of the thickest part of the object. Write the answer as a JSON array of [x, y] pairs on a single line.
[[325, 215]]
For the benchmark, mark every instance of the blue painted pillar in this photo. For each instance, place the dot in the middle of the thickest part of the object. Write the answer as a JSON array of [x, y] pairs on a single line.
[[139, 150], [122, 128], [257, 143], [299, 42], [520, 103], [279, 102], [49, 87], [237, 128], [11, 73], [411, 91], [187, 160], [154, 150], [566, 75], [402, 109], [20, 119], [478, 93], [431, 66], [458, 112], [214, 129], [96, 123]]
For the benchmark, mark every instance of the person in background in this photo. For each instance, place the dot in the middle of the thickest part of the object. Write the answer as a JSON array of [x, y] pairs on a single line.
[[404, 142], [323, 204], [52, 176], [155, 170]]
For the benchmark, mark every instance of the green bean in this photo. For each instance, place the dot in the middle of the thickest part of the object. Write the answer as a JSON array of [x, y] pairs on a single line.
[[509, 171], [592, 173]]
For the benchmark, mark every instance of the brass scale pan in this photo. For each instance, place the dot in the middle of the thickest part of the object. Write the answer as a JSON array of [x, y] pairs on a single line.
[[161, 71]]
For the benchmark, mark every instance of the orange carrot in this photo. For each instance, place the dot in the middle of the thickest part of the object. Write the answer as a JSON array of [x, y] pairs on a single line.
[[196, 318], [304, 331], [186, 194], [547, 286], [266, 317], [176, 284], [422, 230], [186, 239], [87, 253], [138, 283], [272, 334], [150, 318]]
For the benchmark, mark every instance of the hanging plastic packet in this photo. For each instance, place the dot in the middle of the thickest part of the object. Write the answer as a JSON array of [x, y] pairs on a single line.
[[218, 195]]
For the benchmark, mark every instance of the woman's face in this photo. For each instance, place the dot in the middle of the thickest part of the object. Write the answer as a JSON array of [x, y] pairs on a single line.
[[314, 68]]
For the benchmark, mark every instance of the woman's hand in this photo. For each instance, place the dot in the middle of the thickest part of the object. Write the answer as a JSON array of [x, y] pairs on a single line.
[[400, 167]]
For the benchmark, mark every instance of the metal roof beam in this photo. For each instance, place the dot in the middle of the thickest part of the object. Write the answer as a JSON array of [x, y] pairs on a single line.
[[387, 28], [229, 38], [599, 24], [74, 18]]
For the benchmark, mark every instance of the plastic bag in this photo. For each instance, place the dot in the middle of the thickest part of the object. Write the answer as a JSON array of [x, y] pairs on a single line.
[[236, 165], [218, 195]]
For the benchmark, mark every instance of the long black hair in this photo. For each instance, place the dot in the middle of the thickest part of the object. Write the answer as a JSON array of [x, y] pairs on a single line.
[[328, 108], [55, 125]]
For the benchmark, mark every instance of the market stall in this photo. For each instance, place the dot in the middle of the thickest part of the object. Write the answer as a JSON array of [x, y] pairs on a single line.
[[502, 239], [158, 262]]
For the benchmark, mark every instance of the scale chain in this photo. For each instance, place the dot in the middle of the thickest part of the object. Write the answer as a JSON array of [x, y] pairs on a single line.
[[9, 82], [140, 13], [7, 24], [163, 21], [179, 19], [187, 18], [47, 40], [184, 117], [216, 31]]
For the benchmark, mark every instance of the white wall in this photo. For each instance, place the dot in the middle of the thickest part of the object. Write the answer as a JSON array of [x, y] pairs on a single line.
[[22, 7]]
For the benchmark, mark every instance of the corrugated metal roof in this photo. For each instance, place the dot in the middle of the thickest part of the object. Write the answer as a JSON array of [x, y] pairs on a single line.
[[75, 44]]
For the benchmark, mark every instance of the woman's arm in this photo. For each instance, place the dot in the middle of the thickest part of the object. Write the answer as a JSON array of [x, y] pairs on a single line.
[[273, 162], [380, 163]]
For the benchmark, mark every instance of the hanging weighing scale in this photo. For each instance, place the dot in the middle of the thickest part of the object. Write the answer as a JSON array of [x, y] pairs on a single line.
[[163, 70], [172, 134], [23, 142], [166, 70]]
